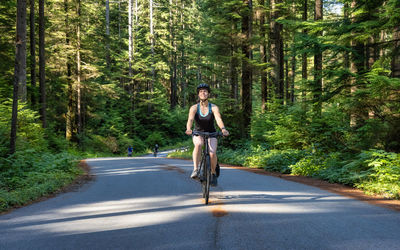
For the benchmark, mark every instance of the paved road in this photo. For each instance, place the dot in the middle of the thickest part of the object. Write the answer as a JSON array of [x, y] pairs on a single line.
[[150, 203]]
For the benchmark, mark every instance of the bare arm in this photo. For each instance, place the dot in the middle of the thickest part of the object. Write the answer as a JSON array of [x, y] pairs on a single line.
[[189, 124], [218, 119]]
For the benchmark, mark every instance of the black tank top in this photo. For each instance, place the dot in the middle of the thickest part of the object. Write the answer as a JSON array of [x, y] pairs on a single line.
[[204, 123]]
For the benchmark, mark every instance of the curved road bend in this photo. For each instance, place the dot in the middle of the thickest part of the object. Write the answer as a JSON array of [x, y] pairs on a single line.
[[150, 203]]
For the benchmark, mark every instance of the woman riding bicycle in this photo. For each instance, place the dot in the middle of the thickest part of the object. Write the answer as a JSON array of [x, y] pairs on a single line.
[[204, 114]]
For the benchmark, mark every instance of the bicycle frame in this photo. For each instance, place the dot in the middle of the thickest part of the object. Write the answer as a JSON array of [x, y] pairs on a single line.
[[205, 163]]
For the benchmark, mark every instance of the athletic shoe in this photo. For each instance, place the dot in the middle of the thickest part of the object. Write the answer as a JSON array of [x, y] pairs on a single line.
[[195, 174]]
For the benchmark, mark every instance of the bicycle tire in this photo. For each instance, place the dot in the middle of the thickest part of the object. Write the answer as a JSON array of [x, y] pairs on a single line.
[[202, 178], [207, 179]]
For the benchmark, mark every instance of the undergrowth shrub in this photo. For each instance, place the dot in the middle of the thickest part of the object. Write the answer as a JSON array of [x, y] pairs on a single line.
[[274, 160], [28, 175]]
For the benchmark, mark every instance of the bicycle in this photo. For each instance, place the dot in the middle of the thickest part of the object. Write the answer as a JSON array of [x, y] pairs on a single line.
[[205, 163]]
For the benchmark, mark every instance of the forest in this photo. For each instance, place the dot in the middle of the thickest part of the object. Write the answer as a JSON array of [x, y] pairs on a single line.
[[307, 87]]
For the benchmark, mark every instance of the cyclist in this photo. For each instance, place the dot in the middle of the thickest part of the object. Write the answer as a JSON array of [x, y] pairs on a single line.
[[130, 150], [203, 114], [155, 150]]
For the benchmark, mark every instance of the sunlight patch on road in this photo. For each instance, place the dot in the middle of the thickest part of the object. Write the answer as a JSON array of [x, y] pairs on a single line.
[[125, 171], [111, 215], [278, 202]]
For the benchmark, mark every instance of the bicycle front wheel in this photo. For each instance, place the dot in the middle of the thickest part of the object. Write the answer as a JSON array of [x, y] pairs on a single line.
[[207, 179]]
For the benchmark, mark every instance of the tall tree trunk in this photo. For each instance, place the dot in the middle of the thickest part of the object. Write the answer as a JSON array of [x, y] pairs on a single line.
[[130, 50], [183, 60], [69, 117], [287, 92], [108, 32], [383, 37], [396, 53], [304, 65], [292, 75], [42, 63], [346, 53], [19, 69], [317, 89], [246, 68], [173, 62], [369, 53], [233, 67], [357, 66], [276, 52], [153, 76], [22, 92], [78, 71], [130, 56], [33, 52], [263, 55]]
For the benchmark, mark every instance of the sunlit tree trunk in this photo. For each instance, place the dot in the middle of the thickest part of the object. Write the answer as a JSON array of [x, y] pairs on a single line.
[[69, 116], [173, 94], [130, 45], [153, 76], [21, 33], [317, 88], [19, 69], [292, 75], [286, 63], [276, 52], [183, 60], [108, 32], [304, 65], [42, 64], [396, 53], [78, 70], [33, 52]]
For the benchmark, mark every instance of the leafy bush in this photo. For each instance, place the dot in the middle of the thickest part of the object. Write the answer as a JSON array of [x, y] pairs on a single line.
[[29, 174], [153, 138], [275, 160], [374, 171], [310, 165], [30, 133]]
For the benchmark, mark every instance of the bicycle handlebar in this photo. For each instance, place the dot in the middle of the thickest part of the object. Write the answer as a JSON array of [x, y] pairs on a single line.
[[207, 134]]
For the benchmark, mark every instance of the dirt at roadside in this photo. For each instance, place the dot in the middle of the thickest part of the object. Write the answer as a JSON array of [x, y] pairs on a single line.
[[332, 187]]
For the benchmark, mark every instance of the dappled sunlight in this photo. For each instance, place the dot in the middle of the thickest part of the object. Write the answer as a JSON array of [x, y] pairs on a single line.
[[111, 215], [279, 202], [125, 171]]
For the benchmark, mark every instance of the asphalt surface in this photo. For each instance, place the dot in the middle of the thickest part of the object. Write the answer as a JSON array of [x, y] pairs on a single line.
[[151, 203]]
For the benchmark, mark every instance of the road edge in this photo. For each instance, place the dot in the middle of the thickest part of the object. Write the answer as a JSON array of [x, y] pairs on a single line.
[[336, 188]]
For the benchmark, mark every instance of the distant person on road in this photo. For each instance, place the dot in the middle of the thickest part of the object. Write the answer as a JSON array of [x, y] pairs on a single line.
[[204, 114], [155, 150], [130, 150]]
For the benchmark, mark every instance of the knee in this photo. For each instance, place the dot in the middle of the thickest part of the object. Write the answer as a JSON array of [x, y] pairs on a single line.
[[213, 155], [197, 147]]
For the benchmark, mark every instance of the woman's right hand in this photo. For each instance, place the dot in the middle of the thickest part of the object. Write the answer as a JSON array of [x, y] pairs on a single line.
[[189, 132]]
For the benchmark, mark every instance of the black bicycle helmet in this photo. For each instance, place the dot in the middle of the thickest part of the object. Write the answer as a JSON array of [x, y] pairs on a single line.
[[203, 86]]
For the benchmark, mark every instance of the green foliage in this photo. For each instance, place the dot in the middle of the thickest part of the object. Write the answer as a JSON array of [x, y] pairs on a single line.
[[30, 132], [154, 138], [183, 150], [29, 174], [274, 160], [374, 171]]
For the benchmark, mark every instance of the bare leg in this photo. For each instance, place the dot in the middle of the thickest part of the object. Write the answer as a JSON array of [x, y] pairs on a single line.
[[213, 157], [196, 156], [213, 143]]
